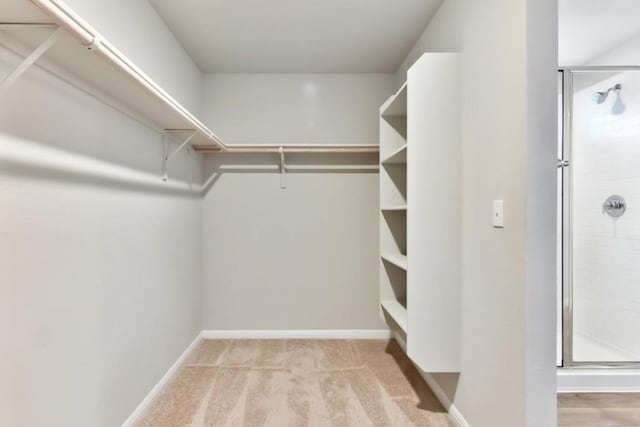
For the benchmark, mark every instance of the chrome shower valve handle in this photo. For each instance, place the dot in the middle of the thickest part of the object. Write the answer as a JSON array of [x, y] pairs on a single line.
[[614, 206]]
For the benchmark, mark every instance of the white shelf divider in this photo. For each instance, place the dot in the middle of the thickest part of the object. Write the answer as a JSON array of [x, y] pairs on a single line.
[[399, 208], [398, 260]]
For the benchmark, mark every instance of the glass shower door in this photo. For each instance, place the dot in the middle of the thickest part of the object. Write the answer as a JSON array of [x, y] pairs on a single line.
[[603, 204]]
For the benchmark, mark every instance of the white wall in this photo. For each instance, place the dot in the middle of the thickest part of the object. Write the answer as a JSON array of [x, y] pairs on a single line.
[[100, 262], [589, 29], [509, 63], [605, 158], [437, 37], [541, 212], [295, 108], [139, 33], [305, 257], [626, 53]]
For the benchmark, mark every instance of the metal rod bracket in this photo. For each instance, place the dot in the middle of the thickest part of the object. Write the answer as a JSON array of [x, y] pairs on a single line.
[[283, 169], [165, 161], [168, 155], [95, 43]]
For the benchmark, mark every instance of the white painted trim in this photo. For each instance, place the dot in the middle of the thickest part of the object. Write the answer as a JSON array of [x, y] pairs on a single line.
[[598, 380], [454, 414], [298, 334], [160, 385]]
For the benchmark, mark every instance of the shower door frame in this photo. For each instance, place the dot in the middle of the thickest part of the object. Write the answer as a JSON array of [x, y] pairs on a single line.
[[568, 361]]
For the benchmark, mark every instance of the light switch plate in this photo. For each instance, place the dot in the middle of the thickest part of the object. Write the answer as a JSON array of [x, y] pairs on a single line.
[[498, 214]]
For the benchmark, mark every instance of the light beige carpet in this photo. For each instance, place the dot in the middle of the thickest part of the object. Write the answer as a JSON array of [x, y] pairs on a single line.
[[296, 383]]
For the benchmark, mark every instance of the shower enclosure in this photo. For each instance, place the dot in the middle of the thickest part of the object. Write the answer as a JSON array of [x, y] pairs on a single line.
[[599, 215]]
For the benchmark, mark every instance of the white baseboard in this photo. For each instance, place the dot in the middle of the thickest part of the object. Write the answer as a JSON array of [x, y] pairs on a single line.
[[299, 334], [457, 417], [598, 380], [160, 385], [454, 413]]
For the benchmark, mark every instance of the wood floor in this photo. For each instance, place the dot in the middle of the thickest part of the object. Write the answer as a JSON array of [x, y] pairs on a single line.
[[297, 383], [599, 410]]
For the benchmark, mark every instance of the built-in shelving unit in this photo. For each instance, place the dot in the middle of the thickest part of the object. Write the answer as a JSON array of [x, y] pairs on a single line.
[[393, 212], [420, 213]]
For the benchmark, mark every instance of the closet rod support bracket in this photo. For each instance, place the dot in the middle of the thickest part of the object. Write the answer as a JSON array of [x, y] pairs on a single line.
[[30, 59], [168, 155], [95, 43], [283, 169]]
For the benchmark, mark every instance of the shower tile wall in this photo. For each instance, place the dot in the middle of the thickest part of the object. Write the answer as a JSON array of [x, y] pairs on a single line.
[[606, 268]]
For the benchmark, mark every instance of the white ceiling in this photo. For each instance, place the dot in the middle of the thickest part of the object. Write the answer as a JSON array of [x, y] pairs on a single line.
[[297, 36], [589, 28]]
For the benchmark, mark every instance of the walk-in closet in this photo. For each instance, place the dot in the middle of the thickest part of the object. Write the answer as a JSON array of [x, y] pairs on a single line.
[[278, 213]]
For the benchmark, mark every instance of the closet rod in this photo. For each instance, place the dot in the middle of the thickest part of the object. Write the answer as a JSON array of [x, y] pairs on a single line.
[[343, 149], [89, 37]]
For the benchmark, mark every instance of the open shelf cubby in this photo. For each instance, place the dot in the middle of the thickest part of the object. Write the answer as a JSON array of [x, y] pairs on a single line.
[[399, 156], [397, 311]]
